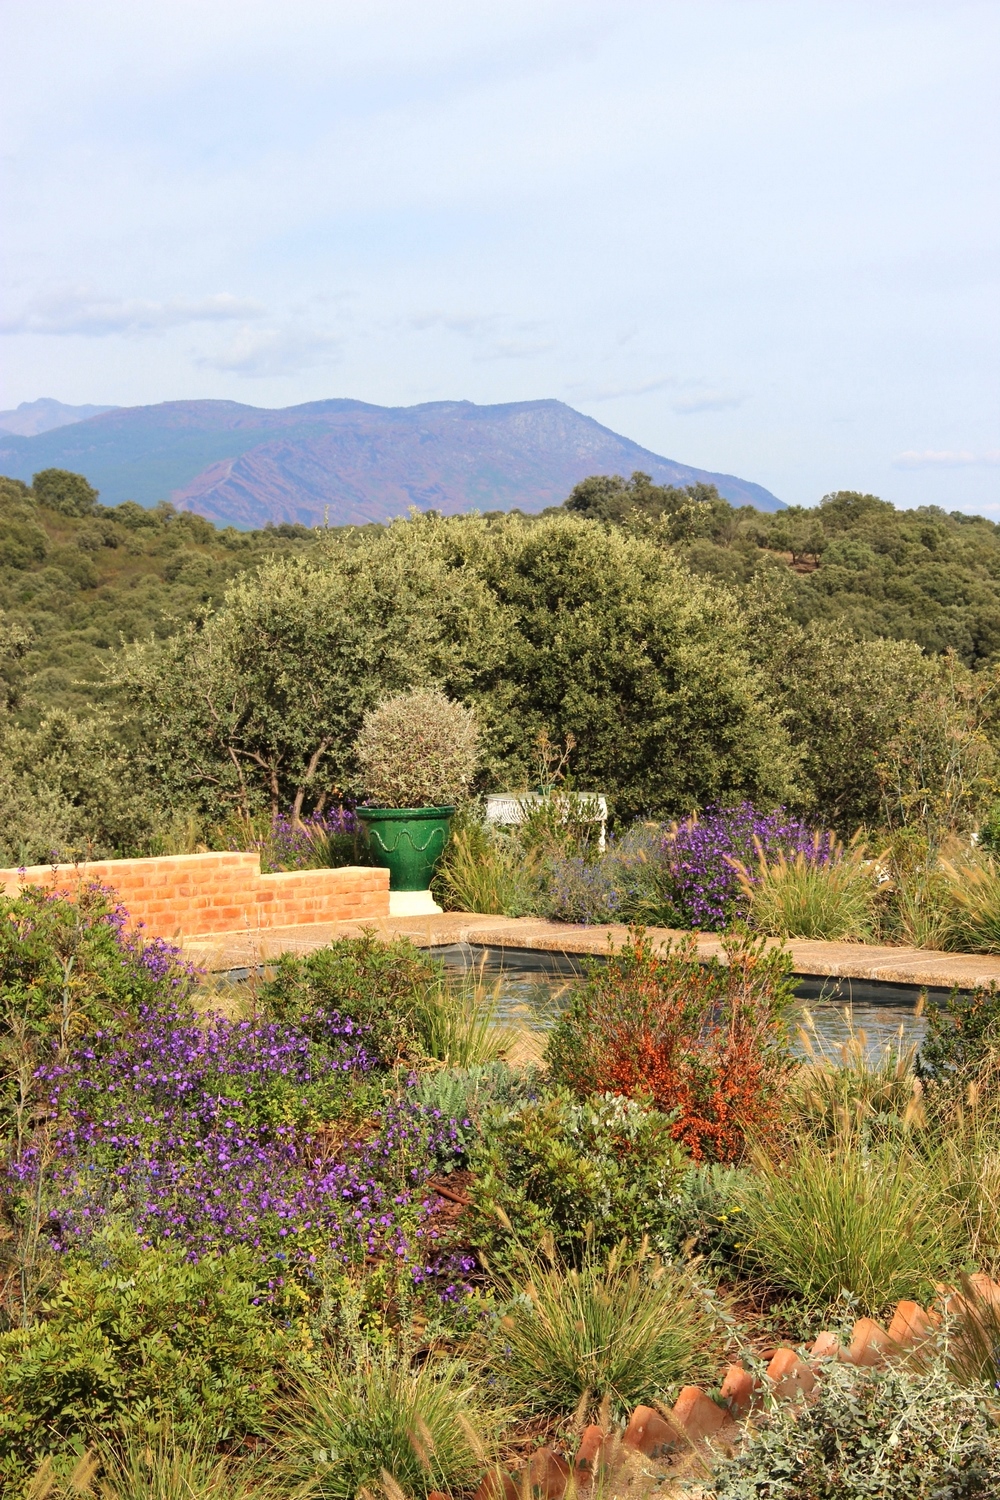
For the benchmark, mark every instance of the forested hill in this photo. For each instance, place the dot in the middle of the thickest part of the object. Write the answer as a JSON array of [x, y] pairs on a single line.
[[76, 577], [924, 575]]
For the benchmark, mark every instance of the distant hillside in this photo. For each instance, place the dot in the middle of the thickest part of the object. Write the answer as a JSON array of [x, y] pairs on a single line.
[[351, 462], [45, 415]]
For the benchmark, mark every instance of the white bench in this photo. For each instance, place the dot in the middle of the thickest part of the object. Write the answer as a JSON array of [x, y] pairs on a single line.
[[508, 809]]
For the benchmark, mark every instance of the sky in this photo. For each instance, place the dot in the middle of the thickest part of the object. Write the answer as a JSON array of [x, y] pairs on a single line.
[[758, 238]]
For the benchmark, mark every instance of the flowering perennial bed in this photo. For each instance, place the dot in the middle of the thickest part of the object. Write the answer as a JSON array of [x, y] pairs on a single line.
[[211, 1132]]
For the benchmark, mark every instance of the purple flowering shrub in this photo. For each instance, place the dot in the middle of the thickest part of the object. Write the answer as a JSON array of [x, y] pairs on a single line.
[[191, 1136], [313, 841], [207, 1132], [700, 852], [67, 968], [630, 882]]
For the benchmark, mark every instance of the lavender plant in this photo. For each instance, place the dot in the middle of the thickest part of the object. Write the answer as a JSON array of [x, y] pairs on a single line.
[[631, 882], [287, 842]]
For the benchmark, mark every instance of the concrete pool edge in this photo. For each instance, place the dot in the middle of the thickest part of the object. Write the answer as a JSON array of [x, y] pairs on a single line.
[[857, 963]]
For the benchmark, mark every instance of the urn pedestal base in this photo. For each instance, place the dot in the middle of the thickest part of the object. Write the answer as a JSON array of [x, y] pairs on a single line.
[[412, 904]]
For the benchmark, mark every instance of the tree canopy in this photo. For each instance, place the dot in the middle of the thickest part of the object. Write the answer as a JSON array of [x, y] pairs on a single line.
[[842, 659]]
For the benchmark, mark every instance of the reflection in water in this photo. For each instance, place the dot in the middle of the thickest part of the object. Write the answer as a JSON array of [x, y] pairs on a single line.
[[532, 997]]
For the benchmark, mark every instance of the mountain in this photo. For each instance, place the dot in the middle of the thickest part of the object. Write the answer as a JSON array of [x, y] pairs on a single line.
[[346, 460], [44, 415]]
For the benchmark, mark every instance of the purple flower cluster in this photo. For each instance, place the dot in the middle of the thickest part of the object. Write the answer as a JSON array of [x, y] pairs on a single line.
[[701, 851], [301, 843], [210, 1135], [582, 890]]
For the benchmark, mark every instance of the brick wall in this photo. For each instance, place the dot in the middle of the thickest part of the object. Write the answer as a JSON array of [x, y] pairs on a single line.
[[190, 895]]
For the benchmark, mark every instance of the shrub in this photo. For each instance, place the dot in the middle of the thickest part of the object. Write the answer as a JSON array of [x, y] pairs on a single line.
[[805, 895], [962, 1035], [705, 1041], [895, 1431], [418, 749], [707, 1214], [68, 968], [623, 1330], [65, 492], [466, 1095], [143, 1338], [216, 1132], [989, 831], [204, 1136], [381, 986], [703, 851], [373, 1414], [630, 882], [601, 1169], [877, 1222]]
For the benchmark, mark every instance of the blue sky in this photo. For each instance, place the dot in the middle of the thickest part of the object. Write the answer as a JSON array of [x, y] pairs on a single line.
[[755, 237]]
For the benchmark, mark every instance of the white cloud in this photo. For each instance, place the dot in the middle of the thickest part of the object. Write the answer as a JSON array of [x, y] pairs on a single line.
[[946, 459], [467, 323], [708, 401], [698, 399], [613, 392], [272, 351], [82, 311], [514, 349]]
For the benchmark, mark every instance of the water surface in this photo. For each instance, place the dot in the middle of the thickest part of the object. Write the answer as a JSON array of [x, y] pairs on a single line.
[[529, 989]]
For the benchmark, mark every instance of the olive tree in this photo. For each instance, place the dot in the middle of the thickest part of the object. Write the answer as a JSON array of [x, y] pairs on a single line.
[[264, 701]]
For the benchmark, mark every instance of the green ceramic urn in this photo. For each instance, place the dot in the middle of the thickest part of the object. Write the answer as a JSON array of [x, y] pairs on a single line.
[[407, 841]]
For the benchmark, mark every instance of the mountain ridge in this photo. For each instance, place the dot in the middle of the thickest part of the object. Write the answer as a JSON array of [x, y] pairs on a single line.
[[31, 418], [348, 461]]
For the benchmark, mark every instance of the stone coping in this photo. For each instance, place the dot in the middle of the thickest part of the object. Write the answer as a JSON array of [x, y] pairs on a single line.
[[919, 967]]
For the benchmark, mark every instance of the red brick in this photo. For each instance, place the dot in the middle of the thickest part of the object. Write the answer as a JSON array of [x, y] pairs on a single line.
[[911, 1323], [594, 1452], [697, 1413], [230, 916], [548, 1475], [498, 1485], [826, 1345], [738, 1389]]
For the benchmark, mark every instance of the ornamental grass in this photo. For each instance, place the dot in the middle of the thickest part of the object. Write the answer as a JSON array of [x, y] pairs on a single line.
[[457, 1023], [874, 1220], [487, 872], [619, 1330], [829, 898], [375, 1421], [973, 904]]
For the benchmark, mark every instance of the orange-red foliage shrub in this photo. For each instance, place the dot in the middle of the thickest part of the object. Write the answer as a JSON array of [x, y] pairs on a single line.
[[704, 1041]]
